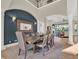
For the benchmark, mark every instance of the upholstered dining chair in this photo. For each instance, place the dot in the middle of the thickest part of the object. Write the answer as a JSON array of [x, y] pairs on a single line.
[[22, 44], [32, 34], [43, 44], [49, 39], [37, 34]]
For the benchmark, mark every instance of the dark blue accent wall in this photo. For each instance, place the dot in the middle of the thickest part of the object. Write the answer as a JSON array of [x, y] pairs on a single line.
[[10, 26]]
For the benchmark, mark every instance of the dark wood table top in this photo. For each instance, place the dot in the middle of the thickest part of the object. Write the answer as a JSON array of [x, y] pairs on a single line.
[[32, 40]]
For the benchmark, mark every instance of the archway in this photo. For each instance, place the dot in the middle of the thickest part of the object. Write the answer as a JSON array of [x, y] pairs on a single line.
[[10, 26]]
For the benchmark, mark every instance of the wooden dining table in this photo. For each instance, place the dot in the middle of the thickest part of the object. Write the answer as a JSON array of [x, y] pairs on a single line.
[[34, 40]]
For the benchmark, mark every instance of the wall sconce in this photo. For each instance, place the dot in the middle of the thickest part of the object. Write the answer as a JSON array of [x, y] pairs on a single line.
[[13, 18]]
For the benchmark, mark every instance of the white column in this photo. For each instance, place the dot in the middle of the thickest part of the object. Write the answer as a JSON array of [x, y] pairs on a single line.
[[2, 29], [70, 21], [71, 9]]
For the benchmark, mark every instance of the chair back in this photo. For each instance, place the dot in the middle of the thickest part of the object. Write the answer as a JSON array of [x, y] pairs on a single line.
[[33, 34], [27, 35], [44, 40], [37, 34], [49, 37], [20, 39]]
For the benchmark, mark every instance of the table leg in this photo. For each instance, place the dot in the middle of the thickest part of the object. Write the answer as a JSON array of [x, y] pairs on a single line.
[[47, 45], [34, 49]]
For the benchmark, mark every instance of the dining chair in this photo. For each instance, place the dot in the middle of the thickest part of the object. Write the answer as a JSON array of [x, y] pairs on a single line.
[[21, 43], [43, 44], [37, 34], [32, 34], [50, 39]]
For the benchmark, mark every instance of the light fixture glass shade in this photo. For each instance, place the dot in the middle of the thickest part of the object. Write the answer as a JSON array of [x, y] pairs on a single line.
[[13, 18]]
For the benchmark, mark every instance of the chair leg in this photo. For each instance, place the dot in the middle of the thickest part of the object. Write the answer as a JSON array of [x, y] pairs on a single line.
[[43, 51], [19, 51], [53, 42], [34, 48], [47, 45], [25, 54]]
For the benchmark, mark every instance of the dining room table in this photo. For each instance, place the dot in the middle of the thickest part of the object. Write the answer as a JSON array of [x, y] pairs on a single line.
[[34, 40]]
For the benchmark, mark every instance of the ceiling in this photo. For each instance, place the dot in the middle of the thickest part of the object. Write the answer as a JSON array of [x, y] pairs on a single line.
[[40, 3]]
